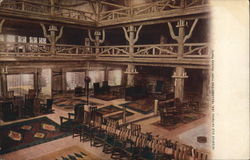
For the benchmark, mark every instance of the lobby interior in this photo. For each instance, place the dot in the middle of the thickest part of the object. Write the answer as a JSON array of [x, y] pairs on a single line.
[[127, 79]]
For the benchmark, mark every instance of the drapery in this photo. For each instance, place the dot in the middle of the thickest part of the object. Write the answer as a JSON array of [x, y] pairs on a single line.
[[20, 83]]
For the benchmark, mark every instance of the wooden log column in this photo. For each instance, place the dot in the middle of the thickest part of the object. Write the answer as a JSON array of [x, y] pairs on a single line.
[[206, 87], [131, 72], [182, 37], [179, 76], [3, 79], [1, 25], [131, 35], [97, 40], [57, 81], [106, 73], [52, 36]]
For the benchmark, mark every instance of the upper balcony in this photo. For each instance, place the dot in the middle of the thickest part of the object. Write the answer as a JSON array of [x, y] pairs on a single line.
[[28, 10], [158, 10], [194, 53], [161, 9]]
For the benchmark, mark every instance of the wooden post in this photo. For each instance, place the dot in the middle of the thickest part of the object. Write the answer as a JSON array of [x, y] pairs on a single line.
[[64, 83], [131, 71], [52, 8], [182, 37], [4, 82], [106, 74], [52, 36], [156, 107], [179, 76], [97, 40], [205, 87], [1, 25], [124, 115], [131, 35]]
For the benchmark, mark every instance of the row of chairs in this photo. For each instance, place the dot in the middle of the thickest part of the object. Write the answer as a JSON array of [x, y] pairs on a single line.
[[129, 142]]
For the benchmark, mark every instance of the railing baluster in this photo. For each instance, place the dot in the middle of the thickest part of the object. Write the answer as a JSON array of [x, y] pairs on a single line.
[[23, 6]]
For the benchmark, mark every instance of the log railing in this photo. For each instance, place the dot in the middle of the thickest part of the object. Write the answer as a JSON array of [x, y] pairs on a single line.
[[149, 9], [196, 50], [191, 50], [159, 7], [24, 49], [113, 50], [156, 50], [43, 9], [74, 50]]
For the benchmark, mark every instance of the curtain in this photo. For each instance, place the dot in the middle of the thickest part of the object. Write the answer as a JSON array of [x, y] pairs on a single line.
[[45, 82], [96, 77], [20, 83], [75, 79], [115, 77]]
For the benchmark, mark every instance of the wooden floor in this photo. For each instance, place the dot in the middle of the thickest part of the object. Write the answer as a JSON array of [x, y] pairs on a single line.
[[186, 134]]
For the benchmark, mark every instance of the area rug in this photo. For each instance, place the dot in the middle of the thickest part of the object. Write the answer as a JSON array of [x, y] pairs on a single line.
[[28, 133], [69, 103], [69, 153], [108, 109], [106, 97], [119, 116], [183, 120], [143, 106]]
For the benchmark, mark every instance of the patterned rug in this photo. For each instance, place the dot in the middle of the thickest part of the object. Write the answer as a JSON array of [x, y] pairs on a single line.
[[108, 109], [184, 119], [69, 103], [69, 153], [143, 106], [28, 133]]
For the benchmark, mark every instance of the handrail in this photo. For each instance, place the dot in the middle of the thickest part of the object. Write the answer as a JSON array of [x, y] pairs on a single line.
[[44, 9], [149, 9], [136, 11], [191, 50]]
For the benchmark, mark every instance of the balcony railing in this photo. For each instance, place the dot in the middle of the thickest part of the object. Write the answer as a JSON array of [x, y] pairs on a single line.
[[24, 49], [45, 10], [160, 7], [149, 9], [196, 50], [191, 50]]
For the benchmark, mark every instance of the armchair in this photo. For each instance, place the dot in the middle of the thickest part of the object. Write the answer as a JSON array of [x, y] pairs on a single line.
[[47, 108], [73, 121]]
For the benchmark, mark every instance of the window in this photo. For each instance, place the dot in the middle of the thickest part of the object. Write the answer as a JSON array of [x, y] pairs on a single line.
[[10, 38], [96, 76], [42, 40], [33, 39], [115, 77], [20, 83], [46, 82], [22, 39], [75, 79]]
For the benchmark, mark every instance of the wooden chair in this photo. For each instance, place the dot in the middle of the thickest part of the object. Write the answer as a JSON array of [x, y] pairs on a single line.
[[79, 91], [96, 129], [47, 108], [120, 143], [110, 136], [10, 95], [135, 128], [31, 93], [9, 111], [73, 121]]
